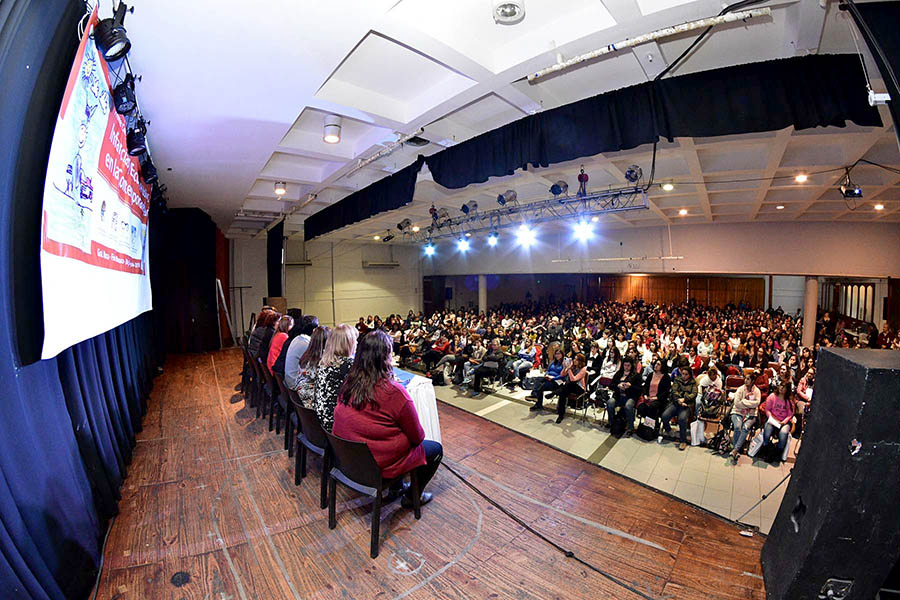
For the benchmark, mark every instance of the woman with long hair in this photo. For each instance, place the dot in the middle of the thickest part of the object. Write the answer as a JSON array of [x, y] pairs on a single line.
[[285, 324], [375, 409], [308, 367], [779, 408], [337, 357]]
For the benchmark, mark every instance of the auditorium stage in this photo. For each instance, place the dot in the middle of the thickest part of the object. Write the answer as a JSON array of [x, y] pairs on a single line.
[[210, 511]]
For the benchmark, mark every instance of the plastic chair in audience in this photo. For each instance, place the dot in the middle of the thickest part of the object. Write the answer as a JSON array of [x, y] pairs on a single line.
[[355, 467], [287, 413], [312, 437]]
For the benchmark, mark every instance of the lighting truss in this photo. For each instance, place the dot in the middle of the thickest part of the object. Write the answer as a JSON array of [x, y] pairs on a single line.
[[548, 209]]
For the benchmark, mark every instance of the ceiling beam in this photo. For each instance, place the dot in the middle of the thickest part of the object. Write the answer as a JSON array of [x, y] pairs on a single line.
[[773, 161], [692, 158]]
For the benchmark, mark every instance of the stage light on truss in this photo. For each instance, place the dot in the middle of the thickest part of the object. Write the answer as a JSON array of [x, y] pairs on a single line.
[[492, 239], [123, 95], [462, 244], [136, 139], [525, 236], [429, 249], [634, 173], [506, 197], [559, 188], [583, 231], [110, 35], [148, 169], [387, 237], [469, 207], [404, 224]]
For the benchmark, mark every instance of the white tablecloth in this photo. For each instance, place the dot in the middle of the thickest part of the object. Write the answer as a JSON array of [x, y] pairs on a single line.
[[422, 393]]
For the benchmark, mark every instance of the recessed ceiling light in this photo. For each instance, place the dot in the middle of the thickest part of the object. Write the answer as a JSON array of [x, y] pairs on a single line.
[[376, 237], [508, 12], [668, 187], [415, 228], [682, 212], [332, 132], [879, 206], [280, 188], [801, 178], [779, 207]]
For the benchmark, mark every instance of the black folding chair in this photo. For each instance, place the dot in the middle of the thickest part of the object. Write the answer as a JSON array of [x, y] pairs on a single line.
[[312, 438], [285, 404], [355, 467], [247, 377], [272, 396], [262, 394]]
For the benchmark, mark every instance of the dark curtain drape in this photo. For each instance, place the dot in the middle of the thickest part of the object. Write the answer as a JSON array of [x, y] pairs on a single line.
[[878, 23], [186, 290], [807, 91], [274, 258], [385, 194], [67, 425]]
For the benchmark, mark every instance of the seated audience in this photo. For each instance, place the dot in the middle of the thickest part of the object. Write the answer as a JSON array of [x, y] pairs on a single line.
[[333, 368], [626, 389], [550, 382], [295, 331], [375, 409], [281, 335], [308, 367], [575, 378], [655, 392], [524, 361], [744, 412], [297, 349], [682, 396], [263, 320], [708, 381], [779, 410], [491, 365]]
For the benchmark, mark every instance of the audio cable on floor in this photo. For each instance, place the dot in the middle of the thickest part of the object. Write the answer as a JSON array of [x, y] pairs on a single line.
[[541, 536], [764, 496]]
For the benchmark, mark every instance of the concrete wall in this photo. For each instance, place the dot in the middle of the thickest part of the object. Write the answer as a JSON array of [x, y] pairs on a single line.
[[834, 249]]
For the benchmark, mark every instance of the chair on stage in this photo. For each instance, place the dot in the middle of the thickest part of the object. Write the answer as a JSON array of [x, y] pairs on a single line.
[[355, 467], [313, 438], [273, 396], [249, 382], [264, 393]]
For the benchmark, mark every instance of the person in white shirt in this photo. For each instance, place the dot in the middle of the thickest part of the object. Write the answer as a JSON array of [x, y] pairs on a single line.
[[621, 344], [743, 412], [734, 342], [604, 340], [710, 379], [705, 347]]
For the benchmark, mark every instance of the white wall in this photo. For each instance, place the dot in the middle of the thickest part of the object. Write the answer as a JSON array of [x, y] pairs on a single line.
[[358, 291], [248, 267], [833, 249], [788, 292]]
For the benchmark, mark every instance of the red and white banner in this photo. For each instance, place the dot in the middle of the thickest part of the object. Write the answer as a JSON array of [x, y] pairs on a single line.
[[94, 222]]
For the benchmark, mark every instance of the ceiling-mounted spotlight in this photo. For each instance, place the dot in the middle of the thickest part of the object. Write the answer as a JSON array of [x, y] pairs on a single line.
[[507, 196], [416, 228], [668, 187], [634, 173], [559, 188], [387, 237], [110, 35], [525, 236], [443, 217], [469, 207], [148, 170], [123, 95], [280, 188], [404, 224], [136, 138], [508, 12], [332, 132], [462, 244], [492, 239], [429, 249]]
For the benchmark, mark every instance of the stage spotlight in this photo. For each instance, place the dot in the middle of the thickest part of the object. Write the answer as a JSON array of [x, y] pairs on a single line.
[[404, 224], [110, 35], [634, 174], [332, 132], [469, 207], [583, 231], [668, 187], [525, 236], [492, 240], [595, 219], [280, 188], [123, 95], [136, 138], [559, 188], [429, 249], [507, 196], [148, 170], [388, 237], [462, 244]]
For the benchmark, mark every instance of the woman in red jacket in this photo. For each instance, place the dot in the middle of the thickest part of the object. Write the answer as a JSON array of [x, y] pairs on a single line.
[[375, 409]]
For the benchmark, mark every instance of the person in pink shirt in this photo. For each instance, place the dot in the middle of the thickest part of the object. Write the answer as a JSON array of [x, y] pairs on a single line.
[[779, 409], [281, 335], [374, 408]]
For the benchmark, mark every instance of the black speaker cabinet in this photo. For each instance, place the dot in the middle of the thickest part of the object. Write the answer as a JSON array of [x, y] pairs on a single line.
[[837, 533]]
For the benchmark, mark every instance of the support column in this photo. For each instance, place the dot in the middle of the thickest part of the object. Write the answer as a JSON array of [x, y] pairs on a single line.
[[810, 304], [482, 293]]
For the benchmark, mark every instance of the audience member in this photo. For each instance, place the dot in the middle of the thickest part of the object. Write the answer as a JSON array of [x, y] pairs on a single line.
[[281, 335], [745, 403], [297, 349], [682, 396], [337, 359], [304, 382]]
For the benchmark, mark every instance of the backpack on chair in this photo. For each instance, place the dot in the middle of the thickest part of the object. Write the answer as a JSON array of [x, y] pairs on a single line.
[[710, 403]]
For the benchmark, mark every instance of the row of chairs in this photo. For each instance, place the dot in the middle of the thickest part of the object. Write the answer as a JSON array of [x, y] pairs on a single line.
[[350, 463]]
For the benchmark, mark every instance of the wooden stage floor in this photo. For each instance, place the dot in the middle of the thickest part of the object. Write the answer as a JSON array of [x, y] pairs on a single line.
[[209, 511]]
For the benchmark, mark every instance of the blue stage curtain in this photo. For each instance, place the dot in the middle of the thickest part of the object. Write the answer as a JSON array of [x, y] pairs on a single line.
[[807, 91]]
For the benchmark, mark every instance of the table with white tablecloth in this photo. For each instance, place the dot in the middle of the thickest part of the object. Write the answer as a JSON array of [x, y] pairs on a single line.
[[421, 391]]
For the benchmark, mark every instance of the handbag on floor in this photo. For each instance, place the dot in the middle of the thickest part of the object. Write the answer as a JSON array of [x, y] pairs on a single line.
[[755, 444], [698, 433], [646, 430]]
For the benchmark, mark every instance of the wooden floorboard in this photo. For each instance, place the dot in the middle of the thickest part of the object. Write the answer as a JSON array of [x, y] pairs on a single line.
[[209, 511]]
